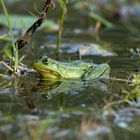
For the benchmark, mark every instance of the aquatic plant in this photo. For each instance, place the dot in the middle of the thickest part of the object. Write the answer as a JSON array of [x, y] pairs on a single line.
[[133, 90], [94, 12], [11, 51], [14, 59], [63, 6], [5, 38], [24, 21]]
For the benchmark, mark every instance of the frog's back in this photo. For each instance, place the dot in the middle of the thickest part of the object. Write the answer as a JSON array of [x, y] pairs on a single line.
[[74, 69], [76, 65]]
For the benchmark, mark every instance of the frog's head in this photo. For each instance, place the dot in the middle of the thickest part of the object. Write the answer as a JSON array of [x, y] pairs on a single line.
[[47, 67], [100, 71]]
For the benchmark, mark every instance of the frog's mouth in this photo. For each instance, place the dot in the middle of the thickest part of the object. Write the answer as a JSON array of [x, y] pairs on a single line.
[[46, 73]]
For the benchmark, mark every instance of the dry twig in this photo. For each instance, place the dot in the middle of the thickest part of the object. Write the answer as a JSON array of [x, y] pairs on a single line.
[[25, 38]]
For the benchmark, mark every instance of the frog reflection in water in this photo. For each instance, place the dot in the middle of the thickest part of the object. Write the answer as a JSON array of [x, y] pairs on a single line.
[[51, 88], [52, 69]]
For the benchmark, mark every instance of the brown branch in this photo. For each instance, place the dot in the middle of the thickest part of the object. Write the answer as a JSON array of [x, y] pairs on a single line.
[[20, 43]]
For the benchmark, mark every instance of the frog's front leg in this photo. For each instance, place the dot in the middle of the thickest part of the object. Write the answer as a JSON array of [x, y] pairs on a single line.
[[88, 73], [96, 71]]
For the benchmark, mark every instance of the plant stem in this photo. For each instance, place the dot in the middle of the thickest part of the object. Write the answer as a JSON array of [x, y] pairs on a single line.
[[8, 67], [61, 23], [121, 80], [21, 42], [15, 50]]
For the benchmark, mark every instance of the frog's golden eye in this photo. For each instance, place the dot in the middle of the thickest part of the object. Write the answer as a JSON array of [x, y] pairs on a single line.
[[45, 60]]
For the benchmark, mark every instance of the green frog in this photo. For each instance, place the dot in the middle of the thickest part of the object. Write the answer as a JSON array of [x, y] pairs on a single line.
[[52, 69]]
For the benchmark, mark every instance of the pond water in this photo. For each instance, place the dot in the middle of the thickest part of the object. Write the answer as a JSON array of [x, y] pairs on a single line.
[[34, 109]]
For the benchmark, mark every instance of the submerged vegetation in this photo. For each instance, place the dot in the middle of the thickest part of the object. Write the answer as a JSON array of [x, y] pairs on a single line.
[[96, 31]]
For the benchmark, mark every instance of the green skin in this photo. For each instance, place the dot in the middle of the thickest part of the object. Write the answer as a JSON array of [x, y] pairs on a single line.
[[52, 69]]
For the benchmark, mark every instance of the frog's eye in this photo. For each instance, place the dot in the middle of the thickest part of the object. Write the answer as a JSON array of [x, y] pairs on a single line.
[[45, 60]]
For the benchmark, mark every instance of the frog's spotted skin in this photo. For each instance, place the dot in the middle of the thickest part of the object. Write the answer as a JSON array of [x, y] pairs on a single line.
[[52, 69]]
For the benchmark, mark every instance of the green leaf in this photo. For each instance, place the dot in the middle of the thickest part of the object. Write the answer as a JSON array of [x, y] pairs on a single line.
[[66, 1], [101, 19], [8, 51], [5, 38], [21, 21]]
